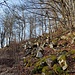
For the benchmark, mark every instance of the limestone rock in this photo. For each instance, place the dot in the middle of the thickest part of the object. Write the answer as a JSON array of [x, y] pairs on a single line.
[[39, 54], [62, 62], [51, 45], [73, 40], [49, 62], [64, 37], [24, 46]]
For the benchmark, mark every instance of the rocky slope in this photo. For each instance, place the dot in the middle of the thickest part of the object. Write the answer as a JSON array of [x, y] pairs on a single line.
[[40, 56]]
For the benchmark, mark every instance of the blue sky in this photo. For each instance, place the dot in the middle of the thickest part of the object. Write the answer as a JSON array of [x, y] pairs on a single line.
[[9, 2]]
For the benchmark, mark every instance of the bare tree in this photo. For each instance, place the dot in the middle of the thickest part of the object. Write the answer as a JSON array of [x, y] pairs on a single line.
[[44, 15], [31, 23], [8, 22]]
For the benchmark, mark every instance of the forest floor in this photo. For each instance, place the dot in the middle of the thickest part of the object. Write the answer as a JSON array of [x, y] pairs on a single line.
[[37, 56]]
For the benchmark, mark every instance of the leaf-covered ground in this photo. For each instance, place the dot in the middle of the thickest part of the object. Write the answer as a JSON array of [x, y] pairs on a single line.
[[40, 56]]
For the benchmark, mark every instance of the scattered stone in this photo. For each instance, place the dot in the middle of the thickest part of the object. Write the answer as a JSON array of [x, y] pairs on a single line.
[[64, 37], [47, 40], [24, 46], [62, 62], [49, 62], [43, 73], [74, 33], [39, 54], [27, 52], [69, 34], [73, 40], [51, 45]]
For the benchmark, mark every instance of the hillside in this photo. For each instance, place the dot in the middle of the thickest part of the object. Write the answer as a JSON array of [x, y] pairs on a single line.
[[40, 56]]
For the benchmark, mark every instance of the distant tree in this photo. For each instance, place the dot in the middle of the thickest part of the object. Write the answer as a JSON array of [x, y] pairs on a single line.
[[32, 26], [8, 22], [20, 21], [2, 39]]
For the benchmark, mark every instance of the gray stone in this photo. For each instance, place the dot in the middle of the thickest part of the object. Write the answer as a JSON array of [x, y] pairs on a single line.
[[39, 54], [49, 62]]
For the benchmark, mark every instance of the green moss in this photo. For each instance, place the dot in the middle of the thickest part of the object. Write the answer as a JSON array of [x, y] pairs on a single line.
[[41, 65], [55, 68], [51, 72], [45, 69], [62, 57], [58, 70], [55, 40], [73, 57], [72, 52], [29, 64], [37, 69], [24, 60], [41, 60], [53, 57]]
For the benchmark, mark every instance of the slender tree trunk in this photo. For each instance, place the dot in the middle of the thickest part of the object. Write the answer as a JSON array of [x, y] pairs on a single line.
[[50, 33], [2, 39]]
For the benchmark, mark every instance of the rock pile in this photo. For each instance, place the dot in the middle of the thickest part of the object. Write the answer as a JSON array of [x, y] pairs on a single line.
[[41, 56]]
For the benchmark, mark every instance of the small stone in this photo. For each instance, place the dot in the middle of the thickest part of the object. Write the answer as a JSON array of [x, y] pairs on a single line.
[[62, 62], [43, 73], [49, 62], [39, 54], [73, 33], [24, 46], [64, 37], [73, 40], [51, 45]]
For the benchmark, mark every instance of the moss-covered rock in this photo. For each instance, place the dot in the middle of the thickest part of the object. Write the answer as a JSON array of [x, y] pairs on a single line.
[[57, 69], [53, 57], [62, 61], [41, 60], [45, 69]]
